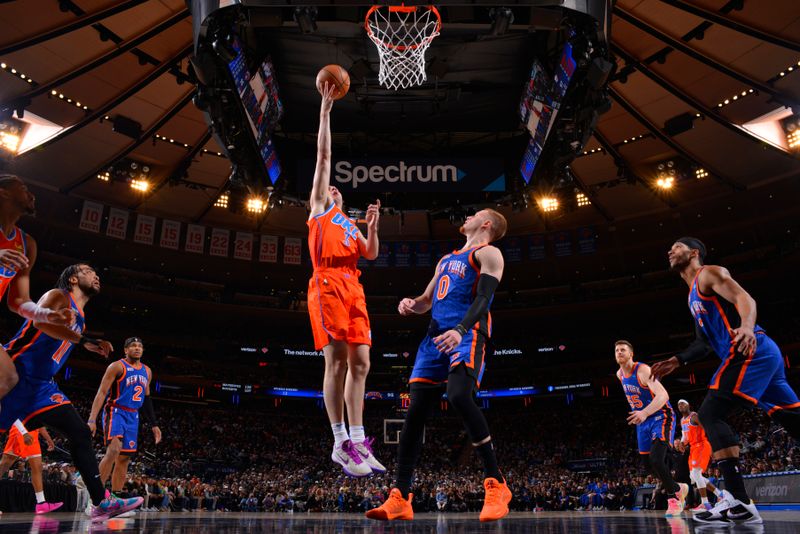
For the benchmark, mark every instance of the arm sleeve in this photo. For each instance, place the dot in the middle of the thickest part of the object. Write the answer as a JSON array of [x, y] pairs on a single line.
[[700, 348], [483, 296], [148, 411]]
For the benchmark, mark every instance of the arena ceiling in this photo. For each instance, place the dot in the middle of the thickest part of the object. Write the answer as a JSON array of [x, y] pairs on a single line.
[[79, 63]]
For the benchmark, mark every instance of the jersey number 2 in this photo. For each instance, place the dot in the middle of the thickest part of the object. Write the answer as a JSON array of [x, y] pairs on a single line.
[[444, 285], [137, 393]]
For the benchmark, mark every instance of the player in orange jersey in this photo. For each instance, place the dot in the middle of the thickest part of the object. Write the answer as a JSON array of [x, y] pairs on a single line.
[[693, 436], [24, 445], [17, 255], [337, 307]]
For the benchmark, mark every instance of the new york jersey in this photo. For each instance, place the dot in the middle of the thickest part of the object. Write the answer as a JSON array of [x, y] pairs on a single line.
[[716, 318], [16, 241], [456, 280], [38, 356], [128, 391], [639, 395]]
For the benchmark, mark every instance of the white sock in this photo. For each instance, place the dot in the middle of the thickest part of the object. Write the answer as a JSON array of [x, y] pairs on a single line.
[[704, 500], [339, 433], [39, 497], [357, 434]]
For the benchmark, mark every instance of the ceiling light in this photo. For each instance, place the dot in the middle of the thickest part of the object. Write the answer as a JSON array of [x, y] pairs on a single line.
[[582, 199], [256, 205], [700, 173], [222, 201], [666, 183], [548, 204], [140, 185]]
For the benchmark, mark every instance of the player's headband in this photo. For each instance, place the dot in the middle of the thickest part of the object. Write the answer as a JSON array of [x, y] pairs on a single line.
[[694, 244], [684, 401], [131, 340]]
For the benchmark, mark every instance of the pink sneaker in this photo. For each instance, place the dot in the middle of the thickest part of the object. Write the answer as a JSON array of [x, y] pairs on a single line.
[[45, 507], [675, 506]]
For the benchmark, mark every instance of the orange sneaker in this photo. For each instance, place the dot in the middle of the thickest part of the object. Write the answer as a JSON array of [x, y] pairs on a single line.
[[395, 507], [495, 503]]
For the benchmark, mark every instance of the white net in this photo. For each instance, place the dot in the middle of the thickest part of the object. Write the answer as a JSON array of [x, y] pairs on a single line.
[[402, 35]]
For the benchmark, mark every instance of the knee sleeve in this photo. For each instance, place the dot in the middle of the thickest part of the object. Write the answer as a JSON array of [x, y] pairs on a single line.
[[712, 415], [697, 477], [459, 393]]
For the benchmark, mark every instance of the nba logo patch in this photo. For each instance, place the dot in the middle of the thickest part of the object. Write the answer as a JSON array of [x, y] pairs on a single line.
[[57, 398], [131, 444]]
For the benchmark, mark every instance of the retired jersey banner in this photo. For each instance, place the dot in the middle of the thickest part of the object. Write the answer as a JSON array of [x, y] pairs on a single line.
[[403, 173], [243, 246], [424, 254], [117, 223], [563, 243], [292, 250], [512, 249], [402, 254], [268, 251], [384, 255], [195, 238], [170, 234], [91, 216], [145, 232], [220, 239]]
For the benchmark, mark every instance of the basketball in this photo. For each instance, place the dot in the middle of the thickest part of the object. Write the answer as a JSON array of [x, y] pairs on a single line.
[[336, 75]]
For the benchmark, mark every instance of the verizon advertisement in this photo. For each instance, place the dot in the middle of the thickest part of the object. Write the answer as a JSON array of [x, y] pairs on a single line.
[[410, 174]]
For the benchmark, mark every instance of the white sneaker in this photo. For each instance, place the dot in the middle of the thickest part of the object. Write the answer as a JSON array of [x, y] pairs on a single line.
[[717, 514], [346, 455], [364, 449], [740, 512]]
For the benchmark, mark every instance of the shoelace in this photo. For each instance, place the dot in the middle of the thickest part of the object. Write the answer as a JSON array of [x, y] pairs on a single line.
[[492, 493], [352, 452]]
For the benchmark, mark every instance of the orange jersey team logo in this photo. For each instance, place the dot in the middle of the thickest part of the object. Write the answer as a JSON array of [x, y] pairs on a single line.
[[336, 303]]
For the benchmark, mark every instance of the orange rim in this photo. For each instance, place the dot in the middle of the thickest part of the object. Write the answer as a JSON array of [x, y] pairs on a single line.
[[404, 9]]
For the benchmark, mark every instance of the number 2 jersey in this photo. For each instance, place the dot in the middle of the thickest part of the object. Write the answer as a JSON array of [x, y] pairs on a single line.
[[128, 391]]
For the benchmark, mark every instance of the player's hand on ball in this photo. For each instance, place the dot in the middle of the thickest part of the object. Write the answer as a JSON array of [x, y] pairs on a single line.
[[373, 215], [664, 367], [447, 342], [406, 306], [92, 428], [28, 439], [157, 434], [62, 317], [636, 417], [328, 92]]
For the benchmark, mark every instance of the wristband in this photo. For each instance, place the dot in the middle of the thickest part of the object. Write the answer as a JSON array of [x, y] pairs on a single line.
[[92, 422], [20, 427], [31, 310], [460, 329]]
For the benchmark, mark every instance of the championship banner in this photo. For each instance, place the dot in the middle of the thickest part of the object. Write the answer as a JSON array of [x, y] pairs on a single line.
[[220, 239], [170, 233], [536, 244], [512, 249], [563, 243], [409, 174], [268, 251], [243, 246], [145, 232], [117, 223], [90, 216], [195, 238], [292, 250], [587, 240], [402, 254], [424, 254]]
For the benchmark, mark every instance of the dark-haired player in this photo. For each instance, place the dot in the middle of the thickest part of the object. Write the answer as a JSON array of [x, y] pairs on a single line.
[[39, 351], [459, 296], [654, 419], [17, 256], [123, 391], [751, 373]]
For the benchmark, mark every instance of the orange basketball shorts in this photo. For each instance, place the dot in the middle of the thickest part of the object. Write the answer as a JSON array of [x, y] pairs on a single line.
[[700, 455], [15, 446], [337, 309]]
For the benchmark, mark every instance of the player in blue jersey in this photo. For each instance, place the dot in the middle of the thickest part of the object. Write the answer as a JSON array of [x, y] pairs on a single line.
[[39, 350], [654, 419], [751, 373], [124, 390], [452, 354]]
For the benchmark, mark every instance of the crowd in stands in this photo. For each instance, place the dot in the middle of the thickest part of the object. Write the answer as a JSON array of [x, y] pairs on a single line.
[[234, 459]]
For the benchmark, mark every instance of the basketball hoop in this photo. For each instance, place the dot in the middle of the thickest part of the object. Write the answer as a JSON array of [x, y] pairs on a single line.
[[402, 34]]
